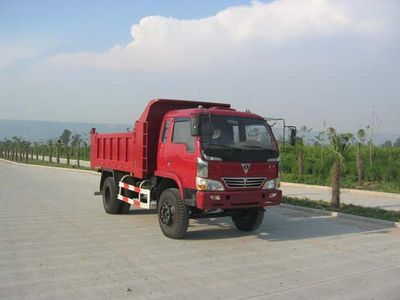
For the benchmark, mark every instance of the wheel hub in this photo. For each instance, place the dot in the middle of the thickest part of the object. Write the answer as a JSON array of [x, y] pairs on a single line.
[[166, 213]]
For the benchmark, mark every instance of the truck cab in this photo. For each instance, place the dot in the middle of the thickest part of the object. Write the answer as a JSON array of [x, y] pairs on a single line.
[[221, 158]]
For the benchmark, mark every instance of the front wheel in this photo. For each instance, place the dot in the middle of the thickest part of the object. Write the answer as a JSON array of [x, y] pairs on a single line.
[[173, 215], [248, 220]]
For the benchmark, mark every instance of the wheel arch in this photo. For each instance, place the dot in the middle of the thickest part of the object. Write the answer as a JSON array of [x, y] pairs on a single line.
[[105, 173], [167, 182]]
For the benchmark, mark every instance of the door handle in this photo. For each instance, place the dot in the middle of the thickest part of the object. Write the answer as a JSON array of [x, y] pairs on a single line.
[[169, 164]]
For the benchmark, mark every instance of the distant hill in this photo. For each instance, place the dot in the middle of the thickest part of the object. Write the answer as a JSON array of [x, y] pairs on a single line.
[[44, 130]]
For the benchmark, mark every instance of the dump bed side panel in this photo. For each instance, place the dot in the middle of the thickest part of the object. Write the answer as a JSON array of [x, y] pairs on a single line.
[[112, 151]]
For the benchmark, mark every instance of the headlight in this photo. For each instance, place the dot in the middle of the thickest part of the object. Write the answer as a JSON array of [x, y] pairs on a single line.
[[203, 184], [202, 168], [270, 184]]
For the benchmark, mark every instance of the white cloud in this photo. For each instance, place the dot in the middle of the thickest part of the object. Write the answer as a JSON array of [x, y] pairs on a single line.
[[161, 43], [11, 54]]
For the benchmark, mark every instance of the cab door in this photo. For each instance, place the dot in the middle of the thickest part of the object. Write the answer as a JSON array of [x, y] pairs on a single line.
[[165, 138], [177, 148]]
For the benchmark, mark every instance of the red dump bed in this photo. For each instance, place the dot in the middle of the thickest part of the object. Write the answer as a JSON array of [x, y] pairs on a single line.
[[112, 150], [136, 152]]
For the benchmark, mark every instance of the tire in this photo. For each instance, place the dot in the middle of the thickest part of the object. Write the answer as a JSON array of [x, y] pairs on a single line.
[[248, 220], [110, 201], [123, 207], [173, 215]]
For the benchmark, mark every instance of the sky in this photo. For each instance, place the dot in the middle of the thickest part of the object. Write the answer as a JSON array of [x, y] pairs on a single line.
[[318, 63]]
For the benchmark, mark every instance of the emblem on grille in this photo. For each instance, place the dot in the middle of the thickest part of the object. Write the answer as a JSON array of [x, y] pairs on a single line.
[[246, 168]]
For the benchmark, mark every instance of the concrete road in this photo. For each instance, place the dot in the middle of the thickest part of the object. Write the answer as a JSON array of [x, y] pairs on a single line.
[[387, 201], [57, 242]]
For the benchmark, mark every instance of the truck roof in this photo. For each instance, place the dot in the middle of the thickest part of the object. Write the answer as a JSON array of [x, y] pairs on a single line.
[[157, 108], [212, 110]]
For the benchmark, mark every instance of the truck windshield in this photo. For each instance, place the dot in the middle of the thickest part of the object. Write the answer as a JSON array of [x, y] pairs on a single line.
[[238, 139]]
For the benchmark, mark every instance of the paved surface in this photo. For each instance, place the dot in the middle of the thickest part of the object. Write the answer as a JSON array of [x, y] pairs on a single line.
[[357, 197], [57, 242]]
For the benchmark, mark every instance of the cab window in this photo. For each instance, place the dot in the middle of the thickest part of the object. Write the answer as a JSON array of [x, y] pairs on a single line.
[[181, 134], [164, 134]]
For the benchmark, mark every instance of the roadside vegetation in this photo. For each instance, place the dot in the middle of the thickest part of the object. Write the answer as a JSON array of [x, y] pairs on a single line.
[[363, 165], [67, 146], [55, 164], [369, 212]]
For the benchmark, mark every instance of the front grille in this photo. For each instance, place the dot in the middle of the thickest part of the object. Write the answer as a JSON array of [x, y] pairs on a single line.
[[244, 182]]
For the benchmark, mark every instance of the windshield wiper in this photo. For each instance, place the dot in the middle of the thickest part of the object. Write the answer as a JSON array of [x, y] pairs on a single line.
[[220, 146], [251, 147]]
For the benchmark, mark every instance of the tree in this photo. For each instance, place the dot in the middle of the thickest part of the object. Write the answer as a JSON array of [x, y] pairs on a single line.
[[26, 146], [43, 146], [76, 142], [397, 143], [320, 141], [16, 148], [360, 157], [387, 144], [85, 140], [340, 146], [6, 148], [300, 148], [58, 146], [36, 149], [50, 143], [65, 138]]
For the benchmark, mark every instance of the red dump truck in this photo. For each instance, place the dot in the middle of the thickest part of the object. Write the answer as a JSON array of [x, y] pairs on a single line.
[[190, 159]]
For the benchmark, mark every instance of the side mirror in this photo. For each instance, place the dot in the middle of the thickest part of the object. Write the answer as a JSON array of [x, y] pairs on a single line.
[[292, 139], [194, 126]]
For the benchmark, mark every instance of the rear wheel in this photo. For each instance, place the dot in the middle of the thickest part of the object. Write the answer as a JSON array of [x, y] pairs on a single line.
[[123, 207], [110, 201], [248, 220], [173, 215]]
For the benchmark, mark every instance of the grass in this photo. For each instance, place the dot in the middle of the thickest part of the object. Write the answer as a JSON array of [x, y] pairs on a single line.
[[51, 164], [382, 174], [369, 212]]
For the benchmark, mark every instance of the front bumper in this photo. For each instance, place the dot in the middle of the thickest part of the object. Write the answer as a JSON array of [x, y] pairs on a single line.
[[238, 199]]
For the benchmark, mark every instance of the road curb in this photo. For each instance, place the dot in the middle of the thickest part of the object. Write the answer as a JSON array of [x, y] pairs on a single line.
[[49, 167], [350, 191], [344, 216]]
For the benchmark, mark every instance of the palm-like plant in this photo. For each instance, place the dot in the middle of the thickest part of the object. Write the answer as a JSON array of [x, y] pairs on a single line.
[[65, 138], [76, 142], [340, 146], [360, 157], [36, 150], [16, 148], [58, 145], [50, 142], [27, 145], [43, 147], [300, 148]]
